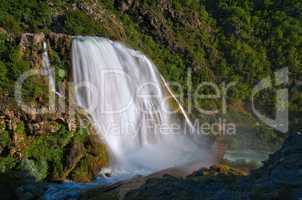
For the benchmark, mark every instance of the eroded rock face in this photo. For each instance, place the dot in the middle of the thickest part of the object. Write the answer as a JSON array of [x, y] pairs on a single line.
[[281, 174], [31, 46], [61, 43], [61, 143], [51, 143], [74, 156]]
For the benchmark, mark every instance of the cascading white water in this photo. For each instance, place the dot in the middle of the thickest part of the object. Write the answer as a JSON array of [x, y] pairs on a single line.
[[46, 68], [128, 101]]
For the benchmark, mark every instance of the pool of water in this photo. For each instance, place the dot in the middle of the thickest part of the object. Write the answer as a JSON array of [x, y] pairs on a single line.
[[71, 190]]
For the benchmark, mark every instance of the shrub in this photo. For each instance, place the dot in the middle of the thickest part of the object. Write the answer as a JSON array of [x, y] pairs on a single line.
[[78, 23], [7, 163], [11, 24], [30, 15], [37, 169]]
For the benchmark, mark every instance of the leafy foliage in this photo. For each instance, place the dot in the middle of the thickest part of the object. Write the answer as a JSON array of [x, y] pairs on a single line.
[[7, 163], [78, 23], [31, 15], [217, 40]]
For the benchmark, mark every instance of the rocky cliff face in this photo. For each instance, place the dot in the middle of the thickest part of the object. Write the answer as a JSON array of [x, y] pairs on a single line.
[[281, 175], [61, 143]]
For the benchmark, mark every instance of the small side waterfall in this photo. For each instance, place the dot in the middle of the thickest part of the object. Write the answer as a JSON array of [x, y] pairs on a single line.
[[46, 68], [129, 103]]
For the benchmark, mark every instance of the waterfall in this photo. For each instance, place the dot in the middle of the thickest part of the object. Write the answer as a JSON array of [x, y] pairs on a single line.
[[129, 102], [47, 71], [46, 68]]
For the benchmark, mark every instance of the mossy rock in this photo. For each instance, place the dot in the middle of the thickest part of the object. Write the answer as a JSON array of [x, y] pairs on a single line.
[[51, 155], [94, 159]]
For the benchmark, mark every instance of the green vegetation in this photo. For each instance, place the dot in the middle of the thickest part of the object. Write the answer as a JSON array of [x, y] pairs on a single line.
[[52, 156], [18, 15], [219, 41], [12, 65], [78, 23], [60, 67], [7, 163], [47, 149]]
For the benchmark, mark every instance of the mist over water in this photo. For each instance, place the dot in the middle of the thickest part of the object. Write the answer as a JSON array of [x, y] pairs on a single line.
[[131, 107]]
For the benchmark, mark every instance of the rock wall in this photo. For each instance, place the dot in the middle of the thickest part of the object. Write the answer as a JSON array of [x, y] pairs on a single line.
[[59, 144]]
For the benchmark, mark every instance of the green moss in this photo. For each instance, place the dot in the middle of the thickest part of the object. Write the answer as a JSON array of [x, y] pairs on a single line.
[[7, 163]]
